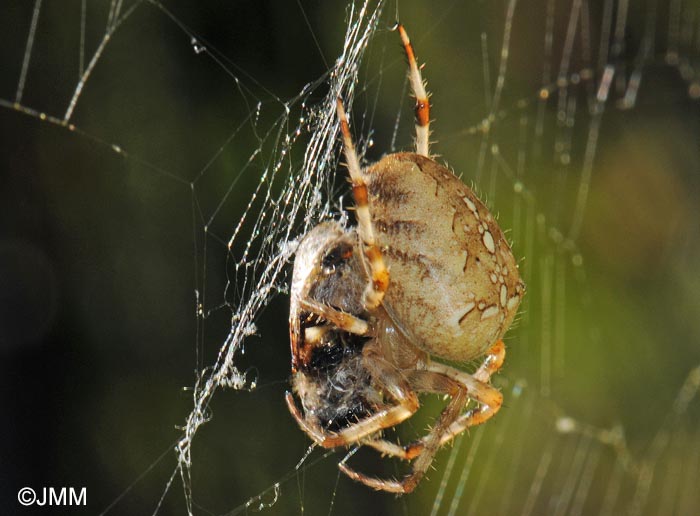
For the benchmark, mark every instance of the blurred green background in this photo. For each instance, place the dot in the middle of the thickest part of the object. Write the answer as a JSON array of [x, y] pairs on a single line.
[[100, 254]]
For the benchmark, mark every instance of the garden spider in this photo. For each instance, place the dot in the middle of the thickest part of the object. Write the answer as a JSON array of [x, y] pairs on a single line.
[[426, 272]]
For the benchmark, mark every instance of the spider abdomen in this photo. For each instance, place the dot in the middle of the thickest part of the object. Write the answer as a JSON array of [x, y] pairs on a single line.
[[455, 286]]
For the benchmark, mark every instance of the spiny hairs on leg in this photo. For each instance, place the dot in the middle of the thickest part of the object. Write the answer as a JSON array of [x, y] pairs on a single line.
[[374, 294], [422, 101]]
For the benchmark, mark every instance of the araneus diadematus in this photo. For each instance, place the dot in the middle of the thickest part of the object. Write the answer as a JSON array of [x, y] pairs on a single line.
[[362, 339]]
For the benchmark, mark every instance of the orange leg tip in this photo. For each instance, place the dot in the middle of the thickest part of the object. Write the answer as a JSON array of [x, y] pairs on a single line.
[[403, 34], [413, 450]]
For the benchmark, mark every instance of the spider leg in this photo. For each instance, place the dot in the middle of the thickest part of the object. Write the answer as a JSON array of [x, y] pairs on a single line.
[[376, 288], [426, 381], [489, 397], [492, 363], [342, 320], [439, 378], [421, 381], [317, 435], [406, 452], [422, 102], [386, 418], [390, 381]]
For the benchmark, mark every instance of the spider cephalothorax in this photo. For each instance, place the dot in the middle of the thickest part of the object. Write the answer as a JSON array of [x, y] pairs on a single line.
[[425, 273]]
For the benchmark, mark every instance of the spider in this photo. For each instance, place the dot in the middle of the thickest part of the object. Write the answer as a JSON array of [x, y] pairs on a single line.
[[425, 273]]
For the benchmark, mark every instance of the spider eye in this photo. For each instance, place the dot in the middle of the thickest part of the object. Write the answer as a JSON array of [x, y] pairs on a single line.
[[336, 257]]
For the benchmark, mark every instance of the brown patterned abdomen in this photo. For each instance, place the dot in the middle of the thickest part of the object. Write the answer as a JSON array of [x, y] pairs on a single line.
[[454, 284]]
